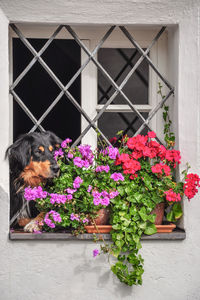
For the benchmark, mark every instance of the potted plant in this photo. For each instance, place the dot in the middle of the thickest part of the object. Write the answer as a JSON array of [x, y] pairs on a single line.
[[130, 180]]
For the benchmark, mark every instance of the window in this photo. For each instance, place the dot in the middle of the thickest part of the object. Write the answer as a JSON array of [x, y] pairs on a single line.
[[77, 81], [40, 102]]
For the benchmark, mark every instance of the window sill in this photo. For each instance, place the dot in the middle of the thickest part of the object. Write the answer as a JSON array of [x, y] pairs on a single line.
[[177, 234]]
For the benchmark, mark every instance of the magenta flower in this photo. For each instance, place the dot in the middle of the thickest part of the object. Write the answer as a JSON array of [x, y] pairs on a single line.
[[77, 182], [35, 193], [89, 189], [58, 153], [95, 252], [58, 198], [113, 194], [117, 177], [74, 217], [70, 155], [65, 143], [113, 152], [55, 216], [85, 220], [69, 197], [70, 191], [105, 201], [102, 168]]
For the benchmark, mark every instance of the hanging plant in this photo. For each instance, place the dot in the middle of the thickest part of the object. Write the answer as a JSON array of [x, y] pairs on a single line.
[[130, 180]]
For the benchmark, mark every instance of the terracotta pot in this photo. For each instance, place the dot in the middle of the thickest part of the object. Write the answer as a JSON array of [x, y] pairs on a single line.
[[98, 229], [103, 217], [159, 211]]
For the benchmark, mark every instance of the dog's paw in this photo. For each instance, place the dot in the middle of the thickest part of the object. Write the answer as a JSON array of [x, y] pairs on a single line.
[[32, 226]]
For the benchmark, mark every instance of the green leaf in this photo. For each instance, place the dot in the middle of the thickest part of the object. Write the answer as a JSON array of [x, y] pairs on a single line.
[[121, 190], [152, 218], [170, 216], [119, 243], [143, 214], [151, 229], [177, 209]]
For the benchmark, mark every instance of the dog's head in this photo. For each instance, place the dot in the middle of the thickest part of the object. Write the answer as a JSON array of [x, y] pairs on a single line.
[[32, 158]]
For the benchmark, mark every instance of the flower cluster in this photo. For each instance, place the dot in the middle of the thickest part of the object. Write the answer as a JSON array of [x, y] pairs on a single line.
[[112, 152], [77, 182], [55, 216], [192, 182], [129, 165], [58, 198], [77, 218], [58, 153], [103, 197], [65, 143], [34, 193], [171, 196], [117, 177], [102, 168], [86, 158], [159, 168]]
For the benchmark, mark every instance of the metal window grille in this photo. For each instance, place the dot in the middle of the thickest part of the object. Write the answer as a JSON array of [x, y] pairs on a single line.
[[64, 90]]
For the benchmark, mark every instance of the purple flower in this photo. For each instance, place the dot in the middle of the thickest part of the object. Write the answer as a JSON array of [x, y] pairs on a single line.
[[70, 191], [78, 162], [102, 168], [95, 252], [117, 177], [77, 182], [57, 198], [74, 217], [58, 153], [65, 142], [56, 218], [89, 189], [97, 201], [105, 201], [113, 194], [35, 193], [113, 152], [104, 194], [85, 220], [69, 197], [70, 155]]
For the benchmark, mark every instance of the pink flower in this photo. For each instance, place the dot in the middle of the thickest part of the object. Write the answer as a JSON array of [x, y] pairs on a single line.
[[58, 153], [70, 155], [151, 134], [69, 197], [95, 252], [85, 220], [65, 142], [77, 182], [89, 189], [117, 177], [172, 196], [70, 191]]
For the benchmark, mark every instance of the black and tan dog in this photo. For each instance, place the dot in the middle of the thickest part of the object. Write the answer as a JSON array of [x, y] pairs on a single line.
[[32, 162]]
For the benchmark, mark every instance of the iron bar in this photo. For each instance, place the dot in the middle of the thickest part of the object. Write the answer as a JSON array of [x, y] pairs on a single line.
[[118, 89], [73, 78], [132, 40]]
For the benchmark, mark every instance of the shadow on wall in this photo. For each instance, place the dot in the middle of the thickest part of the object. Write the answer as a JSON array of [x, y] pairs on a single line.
[[120, 290]]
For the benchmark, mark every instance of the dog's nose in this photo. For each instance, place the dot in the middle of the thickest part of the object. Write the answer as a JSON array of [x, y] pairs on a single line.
[[55, 169]]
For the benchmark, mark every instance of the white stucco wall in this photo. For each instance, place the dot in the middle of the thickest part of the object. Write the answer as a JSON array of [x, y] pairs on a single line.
[[62, 270]]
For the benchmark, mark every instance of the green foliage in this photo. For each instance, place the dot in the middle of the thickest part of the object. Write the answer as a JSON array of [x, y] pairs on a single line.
[[169, 135]]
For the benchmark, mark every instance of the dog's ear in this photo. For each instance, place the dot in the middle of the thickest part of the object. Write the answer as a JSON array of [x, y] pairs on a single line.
[[54, 139], [19, 152]]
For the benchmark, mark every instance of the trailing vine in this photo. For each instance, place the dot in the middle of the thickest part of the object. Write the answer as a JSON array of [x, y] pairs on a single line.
[[169, 135]]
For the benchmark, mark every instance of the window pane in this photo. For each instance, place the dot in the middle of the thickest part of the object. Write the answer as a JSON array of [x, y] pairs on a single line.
[[37, 90], [111, 123], [118, 63]]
